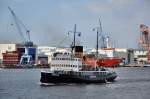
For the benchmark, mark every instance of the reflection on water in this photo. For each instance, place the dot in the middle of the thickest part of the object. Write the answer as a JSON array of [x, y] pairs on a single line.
[[132, 83]]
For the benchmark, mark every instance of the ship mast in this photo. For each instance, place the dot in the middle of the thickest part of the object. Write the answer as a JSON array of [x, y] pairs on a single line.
[[99, 32], [74, 32], [97, 44], [74, 36]]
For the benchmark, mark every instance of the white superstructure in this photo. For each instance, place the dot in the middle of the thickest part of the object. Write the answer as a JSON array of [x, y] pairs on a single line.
[[65, 62]]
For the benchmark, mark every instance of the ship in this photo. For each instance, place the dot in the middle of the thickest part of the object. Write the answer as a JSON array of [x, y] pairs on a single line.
[[74, 68], [109, 62], [68, 68], [103, 61]]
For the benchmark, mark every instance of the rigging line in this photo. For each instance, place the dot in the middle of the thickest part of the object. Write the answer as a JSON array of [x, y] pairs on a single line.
[[59, 43]]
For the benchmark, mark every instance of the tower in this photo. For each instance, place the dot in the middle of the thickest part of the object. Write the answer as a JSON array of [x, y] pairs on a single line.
[[144, 39]]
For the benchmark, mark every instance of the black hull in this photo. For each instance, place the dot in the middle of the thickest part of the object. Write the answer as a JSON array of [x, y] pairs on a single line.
[[63, 78]]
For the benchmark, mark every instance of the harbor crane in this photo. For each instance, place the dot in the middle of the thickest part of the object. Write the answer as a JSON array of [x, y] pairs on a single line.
[[25, 58], [144, 39]]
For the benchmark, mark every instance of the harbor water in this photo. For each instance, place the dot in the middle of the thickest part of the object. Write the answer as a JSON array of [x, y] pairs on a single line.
[[131, 83]]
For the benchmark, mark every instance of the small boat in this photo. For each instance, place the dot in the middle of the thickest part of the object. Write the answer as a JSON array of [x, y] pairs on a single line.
[[72, 68]]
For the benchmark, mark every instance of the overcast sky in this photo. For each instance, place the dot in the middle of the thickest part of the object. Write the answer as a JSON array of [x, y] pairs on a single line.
[[50, 20]]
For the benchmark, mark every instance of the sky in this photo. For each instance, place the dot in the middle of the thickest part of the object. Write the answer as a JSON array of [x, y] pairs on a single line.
[[50, 20]]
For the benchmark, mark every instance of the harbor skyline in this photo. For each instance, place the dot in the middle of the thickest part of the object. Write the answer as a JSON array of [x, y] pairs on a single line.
[[49, 20]]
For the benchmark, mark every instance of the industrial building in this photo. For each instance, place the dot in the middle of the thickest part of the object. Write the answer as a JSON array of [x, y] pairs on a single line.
[[10, 54], [140, 56], [6, 47], [44, 55]]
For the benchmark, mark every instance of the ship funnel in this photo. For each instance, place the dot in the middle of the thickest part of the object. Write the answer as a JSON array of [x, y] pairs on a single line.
[[78, 51]]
